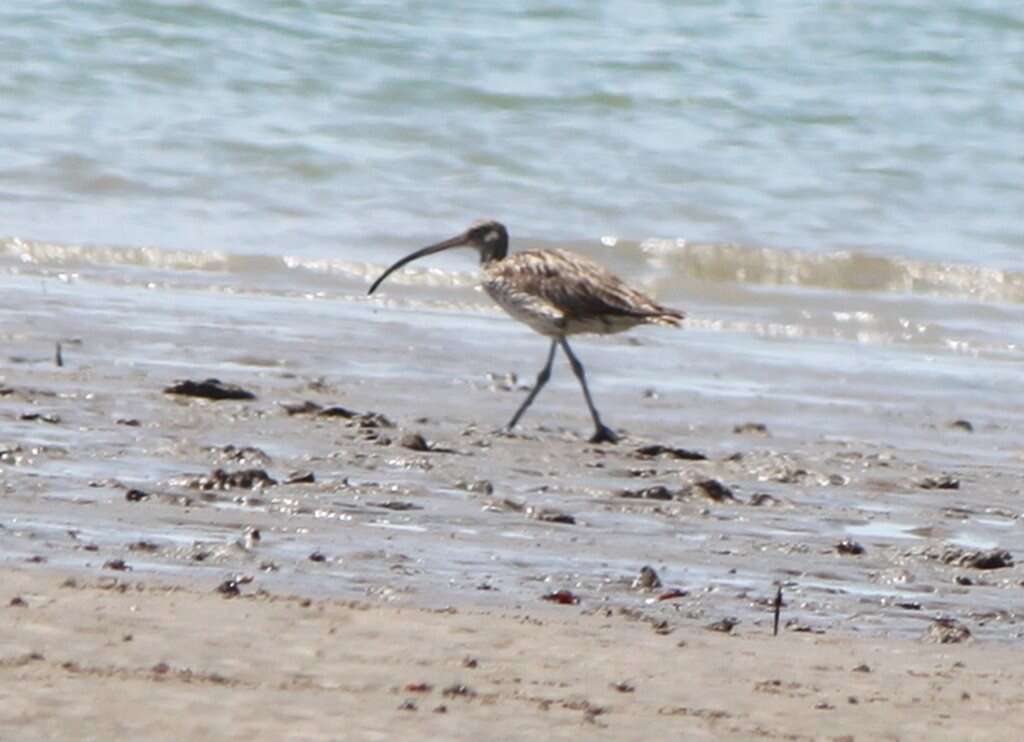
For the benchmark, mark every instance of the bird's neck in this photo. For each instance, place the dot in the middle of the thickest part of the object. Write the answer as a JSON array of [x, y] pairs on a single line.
[[493, 253]]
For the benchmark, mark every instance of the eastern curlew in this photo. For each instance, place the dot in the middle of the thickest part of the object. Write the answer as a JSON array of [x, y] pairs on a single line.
[[557, 293]]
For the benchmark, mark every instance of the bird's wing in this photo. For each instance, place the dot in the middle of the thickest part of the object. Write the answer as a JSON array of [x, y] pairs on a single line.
[[577, 287]]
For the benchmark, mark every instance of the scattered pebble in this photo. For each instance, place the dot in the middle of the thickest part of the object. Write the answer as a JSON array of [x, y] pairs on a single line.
[[418, 687], [414, 442], [743, 428], [408, 705], [229, 588], [850, 547], [209, 389], [317, 556], [760, 499], [300, 477], [549, 515], [145, 546], [18, 602], [993, 559], [562, 597], [398, 505], [470, 662], [946, 631], [647, 579], [964, 425], [306, 407], [673, 594], [371, 420], [725, 625], [710, 488], [118, 565], [943, 482], [136, 496], [672, 452], [221, 479], [458, 690], [477, 486], [337, 411], [498, 382], [623, 687], [41, 417], [251, 536], [657, 492]]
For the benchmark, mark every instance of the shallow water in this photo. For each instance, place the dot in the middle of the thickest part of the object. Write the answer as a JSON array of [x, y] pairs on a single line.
[[313, 129]]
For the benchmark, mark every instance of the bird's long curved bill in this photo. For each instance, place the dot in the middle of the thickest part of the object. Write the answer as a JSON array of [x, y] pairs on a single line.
[[453, 242]]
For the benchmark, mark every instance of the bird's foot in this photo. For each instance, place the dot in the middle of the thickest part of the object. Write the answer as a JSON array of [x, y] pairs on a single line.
[[604, 434]]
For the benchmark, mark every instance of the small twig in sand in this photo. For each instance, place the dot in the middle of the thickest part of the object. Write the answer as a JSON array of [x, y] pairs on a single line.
[[57, 357], [778, 610]]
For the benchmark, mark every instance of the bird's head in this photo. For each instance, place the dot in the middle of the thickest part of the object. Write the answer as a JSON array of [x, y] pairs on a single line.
[[489, 237]]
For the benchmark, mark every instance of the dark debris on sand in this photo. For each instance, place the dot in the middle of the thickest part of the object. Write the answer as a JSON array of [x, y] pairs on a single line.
[[364, 420], [209, 389], [220, 479], [647, 579], [562, 597], [657, 449], [725, 625], [744, 428], [711, 489], [849, 547], [943, 482], [549, 515], [414, 442], [657, 492], [992, 559]]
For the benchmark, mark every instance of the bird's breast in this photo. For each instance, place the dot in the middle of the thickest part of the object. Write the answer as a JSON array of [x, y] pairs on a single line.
[[525, 306]]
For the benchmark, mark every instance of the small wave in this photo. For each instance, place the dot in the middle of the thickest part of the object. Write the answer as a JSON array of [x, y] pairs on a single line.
[[841, 270], [679, 264]]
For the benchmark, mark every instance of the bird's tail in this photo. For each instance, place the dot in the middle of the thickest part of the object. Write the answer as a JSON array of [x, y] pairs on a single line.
[[667, 317]]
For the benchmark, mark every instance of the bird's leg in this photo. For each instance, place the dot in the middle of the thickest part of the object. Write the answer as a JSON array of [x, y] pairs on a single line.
[[602, 434], [542, 379]]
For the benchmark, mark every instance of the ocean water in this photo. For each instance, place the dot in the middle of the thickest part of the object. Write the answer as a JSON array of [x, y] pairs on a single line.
[[321, 129], [835, 172]]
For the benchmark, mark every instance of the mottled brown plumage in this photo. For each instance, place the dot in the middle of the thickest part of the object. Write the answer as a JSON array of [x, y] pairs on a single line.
[[557, 293]]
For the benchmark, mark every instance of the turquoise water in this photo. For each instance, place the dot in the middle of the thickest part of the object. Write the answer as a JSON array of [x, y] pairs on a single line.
[[324, 129]]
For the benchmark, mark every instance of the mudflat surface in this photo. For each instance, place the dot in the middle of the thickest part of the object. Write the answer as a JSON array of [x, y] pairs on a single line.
[[367, 475]]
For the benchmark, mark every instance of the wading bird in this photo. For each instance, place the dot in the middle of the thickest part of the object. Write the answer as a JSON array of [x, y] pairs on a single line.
[[557, 293]]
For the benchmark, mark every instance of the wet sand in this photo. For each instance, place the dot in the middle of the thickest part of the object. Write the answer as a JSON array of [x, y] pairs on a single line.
[[125, 658], [367, 466]]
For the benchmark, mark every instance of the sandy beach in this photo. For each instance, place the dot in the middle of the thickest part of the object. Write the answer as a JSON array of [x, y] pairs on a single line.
[[123, 658]]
